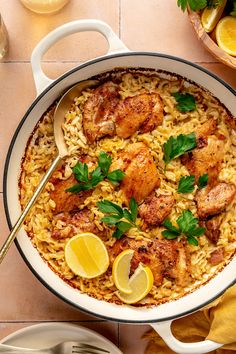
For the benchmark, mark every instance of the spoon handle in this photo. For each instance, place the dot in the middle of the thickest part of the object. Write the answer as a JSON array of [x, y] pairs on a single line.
[[28, 207]]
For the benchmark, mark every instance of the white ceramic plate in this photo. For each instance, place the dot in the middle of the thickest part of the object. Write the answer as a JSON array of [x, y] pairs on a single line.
[[44, 335]]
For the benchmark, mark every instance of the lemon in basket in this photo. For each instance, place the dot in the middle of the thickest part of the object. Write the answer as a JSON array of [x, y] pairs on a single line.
[[226, 34], [86, 255], [211, 16]]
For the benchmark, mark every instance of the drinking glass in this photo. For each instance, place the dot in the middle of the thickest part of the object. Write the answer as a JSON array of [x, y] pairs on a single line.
[[3, 39], [44, 6]]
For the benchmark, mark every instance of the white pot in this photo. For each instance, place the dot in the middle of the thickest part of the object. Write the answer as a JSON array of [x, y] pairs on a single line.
[[161, 316]]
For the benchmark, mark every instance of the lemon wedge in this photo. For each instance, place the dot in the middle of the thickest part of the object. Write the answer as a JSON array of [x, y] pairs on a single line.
[[210, 17], [140, 283], [121, 270], [226, 34], [86, 255]]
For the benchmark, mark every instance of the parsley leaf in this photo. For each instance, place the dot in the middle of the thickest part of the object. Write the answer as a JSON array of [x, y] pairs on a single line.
[[175, 147], [202, 181], [196, 5], [172, 232], [115, 176], [105, 206], [168, 224], [122, 219], [233, 12], [186, 102], [187, 225], [90, 180], [104, 162], [213, 3], [186, 184]]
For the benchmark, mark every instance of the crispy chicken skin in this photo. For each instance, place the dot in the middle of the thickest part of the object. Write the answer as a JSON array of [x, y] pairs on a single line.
[[212, 227], [165, 258], [206, 129], [66, 201], [141, 174], [71, 222], [143, 112], [209, 154], [207, 159], [155, 209], [98, 112], [106, 113], [217, 256], [214, 200]]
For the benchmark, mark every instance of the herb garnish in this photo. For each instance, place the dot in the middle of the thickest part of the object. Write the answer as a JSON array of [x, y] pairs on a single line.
[[117, 215], [186, 102], [202, 181], [186, 184], [233, 13], [187, 225], [90, 180], [175, 147], [196, 5]]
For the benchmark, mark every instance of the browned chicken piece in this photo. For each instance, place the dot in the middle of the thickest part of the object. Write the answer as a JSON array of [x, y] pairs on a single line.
[[203, 132], [217, 256], [66, 201], [231, 122], [214, 200], [141, 174], [165, 258], [155, 209], [212, 227], [143, 112], [207, 159], [98, 112], [71, 222]]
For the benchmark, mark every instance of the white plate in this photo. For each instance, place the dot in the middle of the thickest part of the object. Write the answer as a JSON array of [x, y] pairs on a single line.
[[44, 335]]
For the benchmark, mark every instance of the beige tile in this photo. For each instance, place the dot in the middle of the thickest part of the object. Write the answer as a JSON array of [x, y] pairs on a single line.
[[222, 71], [22, 296], [157, 25], [131, 341], [18, 94], [108, 329], [26, 29]]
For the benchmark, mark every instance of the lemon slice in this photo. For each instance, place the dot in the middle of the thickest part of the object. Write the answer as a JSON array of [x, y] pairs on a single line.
[[211, 16], [86, 255], [140, 283], [121, 270], [226, 34]]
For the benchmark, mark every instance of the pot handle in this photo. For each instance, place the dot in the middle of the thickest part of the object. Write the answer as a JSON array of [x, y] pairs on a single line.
[[115, 45], [164, 330]]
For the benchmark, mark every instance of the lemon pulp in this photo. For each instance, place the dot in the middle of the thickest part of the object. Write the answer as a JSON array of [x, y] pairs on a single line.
[[226, 34], [86, 255], [140, 283], [210, 17], [121, 270]]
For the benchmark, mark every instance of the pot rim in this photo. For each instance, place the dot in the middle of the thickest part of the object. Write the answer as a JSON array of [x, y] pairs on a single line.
[[8, 157]]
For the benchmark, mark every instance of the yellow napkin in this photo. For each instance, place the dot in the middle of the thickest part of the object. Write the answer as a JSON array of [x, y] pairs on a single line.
[[217, 322]]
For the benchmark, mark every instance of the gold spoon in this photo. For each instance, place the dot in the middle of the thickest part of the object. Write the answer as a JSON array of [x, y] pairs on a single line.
[[59, 115]]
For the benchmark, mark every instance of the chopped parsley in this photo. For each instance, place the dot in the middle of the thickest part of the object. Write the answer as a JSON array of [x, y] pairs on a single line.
[[187, 225], [90, 180], [202, 181], [185, 102], [122, 218], [175, 147], [196, 5], [186, 184]]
